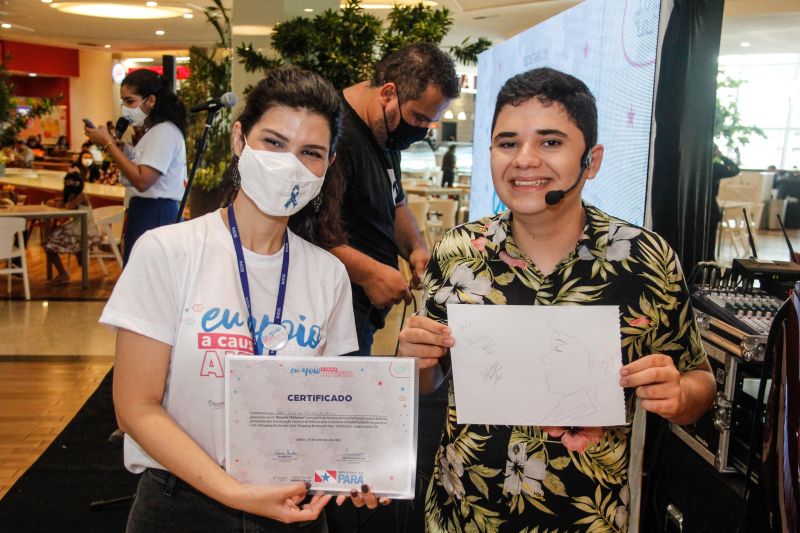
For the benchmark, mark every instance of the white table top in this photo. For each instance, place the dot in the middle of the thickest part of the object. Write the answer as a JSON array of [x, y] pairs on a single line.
[[53, 180], [39, 211]]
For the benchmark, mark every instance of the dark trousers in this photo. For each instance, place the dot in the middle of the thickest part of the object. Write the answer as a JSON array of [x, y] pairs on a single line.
[[165, 503], [145, 214]]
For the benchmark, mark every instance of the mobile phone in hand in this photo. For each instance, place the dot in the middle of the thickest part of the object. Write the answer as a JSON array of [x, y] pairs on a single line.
[[89, 123]]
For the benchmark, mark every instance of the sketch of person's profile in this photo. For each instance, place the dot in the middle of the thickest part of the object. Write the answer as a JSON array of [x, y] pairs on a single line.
[[573, 375]]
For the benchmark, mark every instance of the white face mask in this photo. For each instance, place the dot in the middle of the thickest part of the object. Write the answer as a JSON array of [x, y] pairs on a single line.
[[277, 182], [87, 162], [135, 115]]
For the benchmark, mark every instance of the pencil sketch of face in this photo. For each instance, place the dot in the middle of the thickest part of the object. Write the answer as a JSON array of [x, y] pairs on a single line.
[[567, 364]]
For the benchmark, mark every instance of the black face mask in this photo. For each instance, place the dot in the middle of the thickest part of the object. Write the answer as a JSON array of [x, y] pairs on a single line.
[[404, 135]]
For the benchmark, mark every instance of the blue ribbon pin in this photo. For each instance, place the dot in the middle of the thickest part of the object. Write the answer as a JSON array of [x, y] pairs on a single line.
[[293, 198]]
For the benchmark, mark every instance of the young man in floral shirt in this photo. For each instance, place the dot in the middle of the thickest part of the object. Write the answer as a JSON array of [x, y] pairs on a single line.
[[524, 478]]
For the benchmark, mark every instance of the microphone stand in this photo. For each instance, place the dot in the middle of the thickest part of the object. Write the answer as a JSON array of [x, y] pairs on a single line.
[[199, 148]]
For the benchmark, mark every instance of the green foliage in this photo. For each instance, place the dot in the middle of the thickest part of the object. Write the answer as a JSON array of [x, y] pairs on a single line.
[[11, 123], [727, 121], [344, 45], [412, 24], [210, 76]]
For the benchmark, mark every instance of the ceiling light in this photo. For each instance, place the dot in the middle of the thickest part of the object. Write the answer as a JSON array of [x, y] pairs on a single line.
[[461, 116], [106, 46], [744, 44], [188, 15], [32, 74], [47, 1], [252, 30], [308, 10], [160, 32], [151, 4], [448, 115], [182, 59], [5, 26], [139, 60], [119, 11]]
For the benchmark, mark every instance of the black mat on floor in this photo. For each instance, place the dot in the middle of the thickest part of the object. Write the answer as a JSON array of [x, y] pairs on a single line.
[[79, 467]]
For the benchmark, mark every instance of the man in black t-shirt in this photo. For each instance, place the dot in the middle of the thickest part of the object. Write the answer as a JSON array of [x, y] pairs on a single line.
[[409, 90]]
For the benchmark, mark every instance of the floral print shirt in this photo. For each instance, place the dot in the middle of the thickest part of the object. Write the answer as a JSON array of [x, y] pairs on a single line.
[[527, 479]]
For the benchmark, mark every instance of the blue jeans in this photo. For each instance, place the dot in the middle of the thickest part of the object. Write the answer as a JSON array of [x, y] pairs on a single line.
[[165, 503], [145, 214]]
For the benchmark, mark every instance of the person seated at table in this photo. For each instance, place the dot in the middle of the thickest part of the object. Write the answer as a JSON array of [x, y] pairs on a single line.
[[35, 144], [109, 173], [23, 155], [97, 155], [90, 171], [66, 238], [60, 146]]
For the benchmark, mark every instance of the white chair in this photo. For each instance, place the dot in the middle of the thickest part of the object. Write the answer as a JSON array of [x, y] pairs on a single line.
[[419, 208], [11, 227], [109, 220], [441, 218]]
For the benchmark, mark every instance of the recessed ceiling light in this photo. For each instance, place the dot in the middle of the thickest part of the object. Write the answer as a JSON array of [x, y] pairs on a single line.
[[106, 46], [182, 59], [461, 116], [308, 10], [252, 30], [139, 59], [151, 4], [744, 44], [5, 25], [448, 115], [188, 15], [160, 32], [119, 11], [47, 1], [32, 74]]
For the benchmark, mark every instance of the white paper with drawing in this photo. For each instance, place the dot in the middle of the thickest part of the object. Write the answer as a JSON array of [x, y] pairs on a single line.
[[537, 365]]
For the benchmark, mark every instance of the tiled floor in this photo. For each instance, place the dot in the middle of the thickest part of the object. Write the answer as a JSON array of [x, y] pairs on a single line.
[[54, 354]]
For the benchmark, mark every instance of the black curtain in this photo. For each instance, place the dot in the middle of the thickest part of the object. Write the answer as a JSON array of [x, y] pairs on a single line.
[[684, 110]]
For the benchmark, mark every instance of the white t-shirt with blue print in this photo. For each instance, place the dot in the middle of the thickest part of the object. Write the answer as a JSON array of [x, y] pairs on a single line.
[[182, 287]]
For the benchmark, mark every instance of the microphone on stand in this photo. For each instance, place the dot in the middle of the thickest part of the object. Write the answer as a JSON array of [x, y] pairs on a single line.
[[553, 197], [226, 101], [120, 127]]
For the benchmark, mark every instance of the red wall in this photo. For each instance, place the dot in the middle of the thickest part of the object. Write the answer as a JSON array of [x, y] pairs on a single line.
[[44, 87], [41, 59]]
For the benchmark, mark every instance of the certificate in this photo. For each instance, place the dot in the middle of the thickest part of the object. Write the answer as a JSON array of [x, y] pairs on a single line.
[[537, 365], [335, 422]]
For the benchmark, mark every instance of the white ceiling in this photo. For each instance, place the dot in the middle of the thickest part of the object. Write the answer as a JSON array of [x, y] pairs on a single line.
[[771, 26]]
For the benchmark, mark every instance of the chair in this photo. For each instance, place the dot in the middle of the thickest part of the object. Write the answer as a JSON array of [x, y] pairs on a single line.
[[11, 228], [733, 227], [419, 207], [109, 221], [444, 212]]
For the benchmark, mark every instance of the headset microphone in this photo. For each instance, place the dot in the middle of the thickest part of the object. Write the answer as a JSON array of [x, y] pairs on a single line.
[[553, 197]]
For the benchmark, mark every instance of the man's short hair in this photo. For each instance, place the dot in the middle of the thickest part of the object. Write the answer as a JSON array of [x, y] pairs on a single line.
[[549, 85], [416, 66]]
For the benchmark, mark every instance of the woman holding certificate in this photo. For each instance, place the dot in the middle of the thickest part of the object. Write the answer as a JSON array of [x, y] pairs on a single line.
[[249, 279]]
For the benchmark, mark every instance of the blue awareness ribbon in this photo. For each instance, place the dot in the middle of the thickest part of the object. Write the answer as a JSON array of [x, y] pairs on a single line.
[[237, 246], [293, 198]]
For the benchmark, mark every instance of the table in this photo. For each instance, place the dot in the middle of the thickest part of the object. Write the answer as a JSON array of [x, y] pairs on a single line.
[[53, 181], [437, 191], [44, 212]]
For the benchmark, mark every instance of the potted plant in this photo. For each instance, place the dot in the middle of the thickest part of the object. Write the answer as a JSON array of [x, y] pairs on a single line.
[[210, 75]]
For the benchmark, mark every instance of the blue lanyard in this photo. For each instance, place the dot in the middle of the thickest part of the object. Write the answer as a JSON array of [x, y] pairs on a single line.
[[237, 246]]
